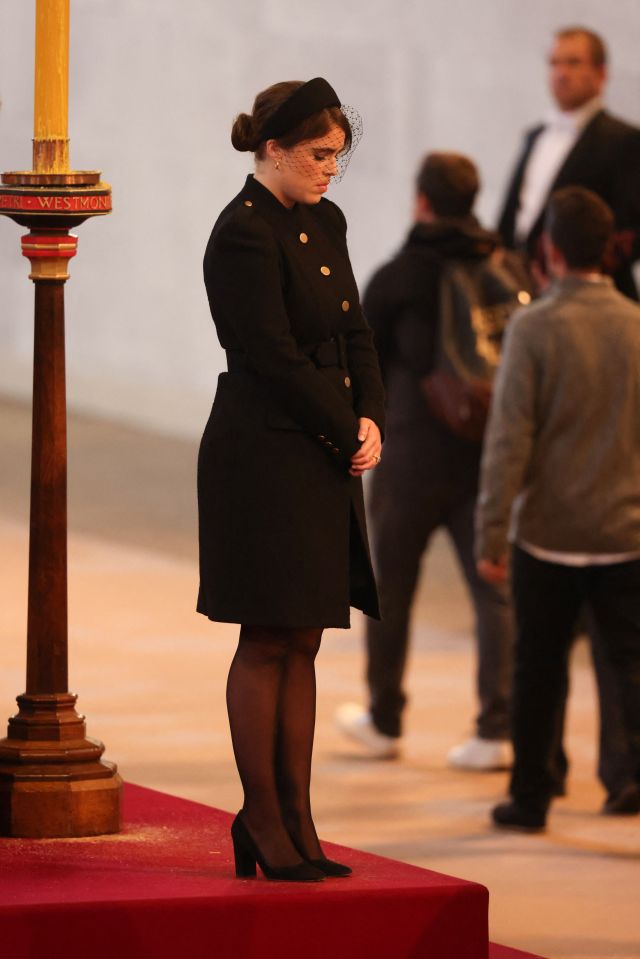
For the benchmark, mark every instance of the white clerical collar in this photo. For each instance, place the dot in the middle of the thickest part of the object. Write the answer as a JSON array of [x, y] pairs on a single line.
[[575, 119]]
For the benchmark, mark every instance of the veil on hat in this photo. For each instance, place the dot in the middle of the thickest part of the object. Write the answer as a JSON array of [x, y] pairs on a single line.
[[310, 98]]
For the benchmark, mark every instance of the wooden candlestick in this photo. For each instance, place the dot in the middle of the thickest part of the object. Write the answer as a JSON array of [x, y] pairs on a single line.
[[53, 781]]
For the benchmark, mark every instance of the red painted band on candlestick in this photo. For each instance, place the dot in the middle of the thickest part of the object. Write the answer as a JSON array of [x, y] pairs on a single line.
[[43, 204], [36, 245]]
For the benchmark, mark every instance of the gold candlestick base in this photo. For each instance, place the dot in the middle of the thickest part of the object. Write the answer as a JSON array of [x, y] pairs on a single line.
[[35, 178]]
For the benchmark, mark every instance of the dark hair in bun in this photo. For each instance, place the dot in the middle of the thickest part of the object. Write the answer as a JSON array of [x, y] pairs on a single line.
[[246, 131], [243, 133]]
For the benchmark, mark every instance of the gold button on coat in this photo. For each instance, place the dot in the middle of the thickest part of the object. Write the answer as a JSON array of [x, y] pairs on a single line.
[[304, 238], [248, 203], [347, 381], [345, 306], [325, 270]]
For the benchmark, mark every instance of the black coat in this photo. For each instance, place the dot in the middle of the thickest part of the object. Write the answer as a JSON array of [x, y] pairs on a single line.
[[402, 304], [282, 529], [606, 159]]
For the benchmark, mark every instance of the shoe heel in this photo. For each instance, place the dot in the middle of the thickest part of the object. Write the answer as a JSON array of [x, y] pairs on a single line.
[[245, 861]]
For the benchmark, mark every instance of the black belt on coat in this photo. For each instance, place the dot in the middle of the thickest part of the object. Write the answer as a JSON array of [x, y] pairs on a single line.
[[328, 353]]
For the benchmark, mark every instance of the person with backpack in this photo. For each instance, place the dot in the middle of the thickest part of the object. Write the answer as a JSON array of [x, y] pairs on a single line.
[[438, 310]]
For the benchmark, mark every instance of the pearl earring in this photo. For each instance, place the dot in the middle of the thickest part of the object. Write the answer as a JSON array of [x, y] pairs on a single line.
[[277, 164]]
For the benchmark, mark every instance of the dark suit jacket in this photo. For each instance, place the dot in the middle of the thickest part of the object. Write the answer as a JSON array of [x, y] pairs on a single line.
[[605, 159], [282, 529]]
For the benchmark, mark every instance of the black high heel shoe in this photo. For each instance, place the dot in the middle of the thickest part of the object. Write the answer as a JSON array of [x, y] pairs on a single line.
[[247, 854], [331, 868]]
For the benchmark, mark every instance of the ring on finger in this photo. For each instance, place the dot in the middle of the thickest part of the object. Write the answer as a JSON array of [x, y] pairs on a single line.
[[376, 458]]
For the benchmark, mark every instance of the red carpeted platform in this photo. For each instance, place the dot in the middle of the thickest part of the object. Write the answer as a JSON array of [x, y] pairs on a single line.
[[165, 888], [504, 952]]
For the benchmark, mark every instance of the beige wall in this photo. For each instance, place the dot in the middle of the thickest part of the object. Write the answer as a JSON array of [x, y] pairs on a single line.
[[155, 84]]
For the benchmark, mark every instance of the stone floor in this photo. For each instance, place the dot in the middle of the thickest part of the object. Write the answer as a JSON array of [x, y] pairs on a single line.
[[150, 674]]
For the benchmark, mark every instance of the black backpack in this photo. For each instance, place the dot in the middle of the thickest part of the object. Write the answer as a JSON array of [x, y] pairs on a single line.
[[477, 299]]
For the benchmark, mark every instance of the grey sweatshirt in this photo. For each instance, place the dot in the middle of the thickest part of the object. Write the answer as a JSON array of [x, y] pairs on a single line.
[[561, 461]]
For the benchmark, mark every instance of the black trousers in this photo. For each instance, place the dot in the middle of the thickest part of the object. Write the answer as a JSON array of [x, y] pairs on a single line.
[[408, 503], [548, 598], [615, 763]]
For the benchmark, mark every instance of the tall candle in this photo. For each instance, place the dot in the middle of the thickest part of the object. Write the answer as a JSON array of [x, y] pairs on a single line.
[[50, 117]]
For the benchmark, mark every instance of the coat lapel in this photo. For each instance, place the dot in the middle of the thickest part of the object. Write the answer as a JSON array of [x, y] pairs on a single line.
[[507, 220], [572, 170], [579, 156]]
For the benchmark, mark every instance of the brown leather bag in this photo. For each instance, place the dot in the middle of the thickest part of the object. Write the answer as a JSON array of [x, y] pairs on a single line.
[[461, 405]]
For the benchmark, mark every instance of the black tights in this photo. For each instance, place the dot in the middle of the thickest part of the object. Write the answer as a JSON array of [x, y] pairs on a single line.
[[271, 700]]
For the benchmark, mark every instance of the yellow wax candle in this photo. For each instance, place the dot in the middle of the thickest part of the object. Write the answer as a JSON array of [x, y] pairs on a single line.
[[50, 118]]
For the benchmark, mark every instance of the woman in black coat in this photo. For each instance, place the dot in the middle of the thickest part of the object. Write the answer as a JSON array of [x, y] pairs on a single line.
[[295, 423]]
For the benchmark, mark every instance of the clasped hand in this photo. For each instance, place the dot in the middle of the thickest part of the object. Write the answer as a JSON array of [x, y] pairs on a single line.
[[369, 453]]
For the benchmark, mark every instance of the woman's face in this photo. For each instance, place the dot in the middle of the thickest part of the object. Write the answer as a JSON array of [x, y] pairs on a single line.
[[305, 170]]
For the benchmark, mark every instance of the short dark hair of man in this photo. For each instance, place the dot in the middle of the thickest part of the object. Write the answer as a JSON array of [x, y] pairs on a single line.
[[450, 183], [599, 55], [580, 225]]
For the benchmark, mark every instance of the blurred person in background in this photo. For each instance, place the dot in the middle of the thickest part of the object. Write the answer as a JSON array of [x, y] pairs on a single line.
[[580, 142], [560, 482], [449, 280]]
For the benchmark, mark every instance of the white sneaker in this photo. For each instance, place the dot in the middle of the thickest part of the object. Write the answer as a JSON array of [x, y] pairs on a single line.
[[482, 754], [356, 723]]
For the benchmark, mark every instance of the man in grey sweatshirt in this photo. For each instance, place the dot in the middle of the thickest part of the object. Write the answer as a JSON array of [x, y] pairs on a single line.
[[561, 482]]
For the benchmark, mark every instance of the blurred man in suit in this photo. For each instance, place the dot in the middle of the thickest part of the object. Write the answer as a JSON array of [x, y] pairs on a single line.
[[579, 143]]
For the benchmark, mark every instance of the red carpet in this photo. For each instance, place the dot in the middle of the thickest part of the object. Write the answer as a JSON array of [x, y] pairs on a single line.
[[165, 888], [503, 952]]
